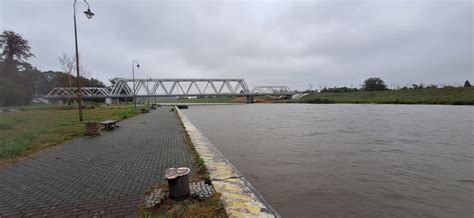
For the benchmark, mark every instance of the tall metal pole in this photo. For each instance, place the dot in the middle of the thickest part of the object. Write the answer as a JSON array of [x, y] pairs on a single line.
[[133, 80], [79, 100], [89, 15], [148, 92]]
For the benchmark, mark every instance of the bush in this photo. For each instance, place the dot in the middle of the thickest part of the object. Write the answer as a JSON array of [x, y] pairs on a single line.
[[339, 89], [320, 101], [374, 84], [12, 94], [463, 102]]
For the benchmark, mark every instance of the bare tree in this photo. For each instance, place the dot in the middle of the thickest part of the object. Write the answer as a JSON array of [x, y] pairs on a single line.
[[68, 64]]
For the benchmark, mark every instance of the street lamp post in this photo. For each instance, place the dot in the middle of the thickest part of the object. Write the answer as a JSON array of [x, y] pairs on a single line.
[[133, 79], [89, 15], [148, 91]]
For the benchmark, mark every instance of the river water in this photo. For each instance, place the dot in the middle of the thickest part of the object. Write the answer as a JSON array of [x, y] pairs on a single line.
[[350, 160]]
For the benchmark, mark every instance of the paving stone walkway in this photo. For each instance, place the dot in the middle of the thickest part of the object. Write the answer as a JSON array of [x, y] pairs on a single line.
[[106, 175]]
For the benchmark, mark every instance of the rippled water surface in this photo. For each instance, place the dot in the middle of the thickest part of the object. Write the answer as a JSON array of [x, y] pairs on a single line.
[[350, 160]]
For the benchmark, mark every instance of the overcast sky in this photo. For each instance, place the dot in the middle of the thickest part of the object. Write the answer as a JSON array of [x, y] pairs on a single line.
[[328, 43]]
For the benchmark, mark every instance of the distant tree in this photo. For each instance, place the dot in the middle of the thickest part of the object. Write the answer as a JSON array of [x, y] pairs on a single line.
[[17, 86], [68, 65], [93, 82], [47, 80], [374, 84], [467, 84], [421, 86], [339, 89], [432, 86], [15, 51], [12, 94]]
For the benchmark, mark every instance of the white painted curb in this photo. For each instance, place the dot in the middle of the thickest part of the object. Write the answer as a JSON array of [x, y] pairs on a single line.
[[239, 197]]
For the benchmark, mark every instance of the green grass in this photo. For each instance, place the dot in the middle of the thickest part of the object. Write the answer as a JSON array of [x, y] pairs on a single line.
[[454, 96], [9, 123], [200, 162], [38, 127], [209, 207], [126, 113], [20, 143]]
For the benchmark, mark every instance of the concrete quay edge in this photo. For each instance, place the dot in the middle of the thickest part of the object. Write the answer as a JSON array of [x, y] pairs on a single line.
[[240, 198]]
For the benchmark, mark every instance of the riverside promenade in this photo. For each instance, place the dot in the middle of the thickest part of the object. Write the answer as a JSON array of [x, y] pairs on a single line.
[[105, 175]]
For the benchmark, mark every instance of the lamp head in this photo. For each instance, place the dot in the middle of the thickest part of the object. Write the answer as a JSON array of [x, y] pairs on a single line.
[[89, 13]]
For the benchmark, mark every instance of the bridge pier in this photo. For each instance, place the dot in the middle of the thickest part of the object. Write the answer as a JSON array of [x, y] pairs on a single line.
[[111, 100], [249, 99]]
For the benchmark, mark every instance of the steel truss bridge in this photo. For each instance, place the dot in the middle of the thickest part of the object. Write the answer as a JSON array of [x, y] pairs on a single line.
[[123, 88]]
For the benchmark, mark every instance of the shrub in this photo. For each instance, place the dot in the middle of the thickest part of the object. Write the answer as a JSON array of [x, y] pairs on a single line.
[[463, 102], [320, 101], [374, 84], [12, 94]]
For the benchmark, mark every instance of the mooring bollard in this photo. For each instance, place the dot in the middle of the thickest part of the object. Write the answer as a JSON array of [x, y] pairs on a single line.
[[92, 128], [178, 182]]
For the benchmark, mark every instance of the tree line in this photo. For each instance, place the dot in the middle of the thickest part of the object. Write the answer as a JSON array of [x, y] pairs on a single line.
[[378, 84], [20, 81]]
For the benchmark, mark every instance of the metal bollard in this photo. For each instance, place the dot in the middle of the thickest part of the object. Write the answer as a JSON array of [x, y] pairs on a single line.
[[178, 182]]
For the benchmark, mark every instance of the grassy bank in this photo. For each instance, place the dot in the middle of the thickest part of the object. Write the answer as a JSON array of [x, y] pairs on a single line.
[[34, 128], [453, 96]]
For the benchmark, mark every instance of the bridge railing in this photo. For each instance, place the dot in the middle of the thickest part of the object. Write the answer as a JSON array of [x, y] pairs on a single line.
[[271, 90], [184, 87], [123, 88], [71, 92]]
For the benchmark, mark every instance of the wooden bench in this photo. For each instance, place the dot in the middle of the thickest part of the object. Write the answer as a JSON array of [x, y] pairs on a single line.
[[109, 124]]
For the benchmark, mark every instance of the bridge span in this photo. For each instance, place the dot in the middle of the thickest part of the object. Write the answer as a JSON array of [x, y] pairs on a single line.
[[124, 88]]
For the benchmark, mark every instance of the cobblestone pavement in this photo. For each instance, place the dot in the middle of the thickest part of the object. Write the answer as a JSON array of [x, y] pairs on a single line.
[[106, 175]]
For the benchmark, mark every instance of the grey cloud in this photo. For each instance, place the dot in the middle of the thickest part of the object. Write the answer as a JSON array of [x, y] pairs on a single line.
[[290, 43]]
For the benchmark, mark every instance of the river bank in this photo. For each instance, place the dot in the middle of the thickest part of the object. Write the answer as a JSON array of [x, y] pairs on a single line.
[[449, 96]]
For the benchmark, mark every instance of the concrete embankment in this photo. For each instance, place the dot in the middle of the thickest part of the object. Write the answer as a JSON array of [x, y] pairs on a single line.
[[239, 197]]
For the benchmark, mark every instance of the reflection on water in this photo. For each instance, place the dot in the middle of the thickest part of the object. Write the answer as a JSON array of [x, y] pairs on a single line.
[[350, 160]]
